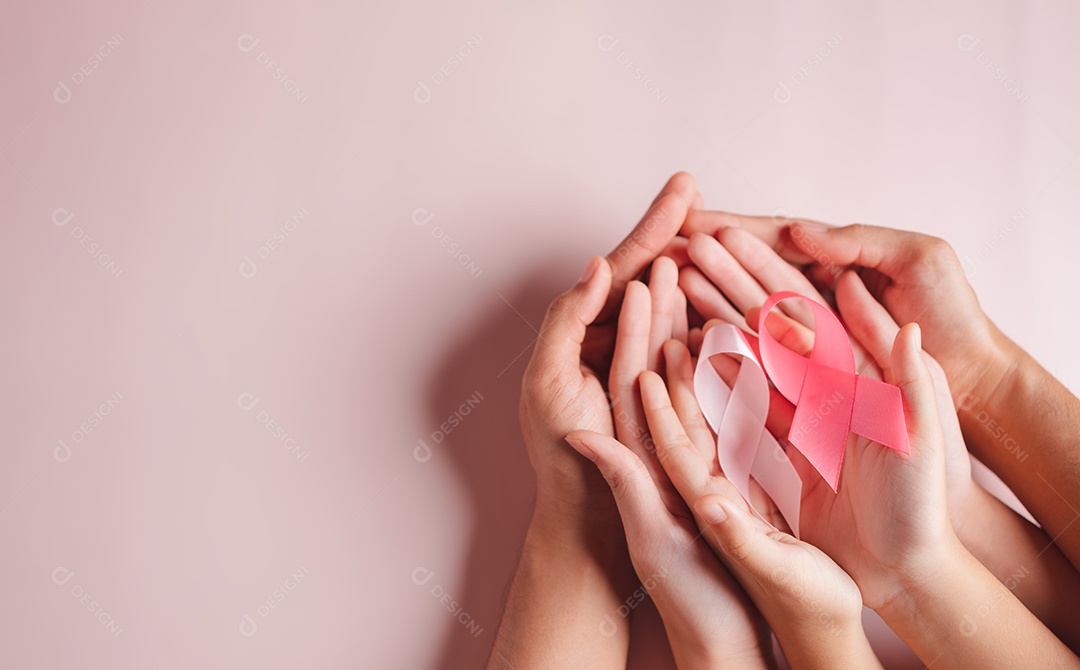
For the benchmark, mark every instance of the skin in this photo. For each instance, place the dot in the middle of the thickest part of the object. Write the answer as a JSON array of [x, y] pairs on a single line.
[[811, 604], [1002, 395], [709, 619], [575, 549]]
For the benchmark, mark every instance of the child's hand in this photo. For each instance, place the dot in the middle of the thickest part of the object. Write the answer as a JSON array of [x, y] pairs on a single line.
[[708, 618], [813, 606]]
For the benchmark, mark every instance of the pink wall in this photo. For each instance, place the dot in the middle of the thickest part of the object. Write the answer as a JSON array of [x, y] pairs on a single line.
[[177, 154]]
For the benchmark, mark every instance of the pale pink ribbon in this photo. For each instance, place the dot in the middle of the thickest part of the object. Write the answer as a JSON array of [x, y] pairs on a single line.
[[830, 401]]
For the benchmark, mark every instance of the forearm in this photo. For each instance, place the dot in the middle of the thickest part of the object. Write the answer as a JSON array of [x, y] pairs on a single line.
[[562, 607], [1025, 427], [955, 614], [832, 646], [1022, 558]]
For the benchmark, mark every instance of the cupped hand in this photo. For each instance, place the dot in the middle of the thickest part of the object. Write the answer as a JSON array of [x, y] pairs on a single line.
[[563, 386], [803, 594], [916, 277]]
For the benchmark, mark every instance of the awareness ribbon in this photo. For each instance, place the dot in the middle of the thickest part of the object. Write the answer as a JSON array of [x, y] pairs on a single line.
[[830, 401]]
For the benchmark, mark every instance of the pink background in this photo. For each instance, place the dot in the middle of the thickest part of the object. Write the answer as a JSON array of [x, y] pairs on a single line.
[[178, 154]]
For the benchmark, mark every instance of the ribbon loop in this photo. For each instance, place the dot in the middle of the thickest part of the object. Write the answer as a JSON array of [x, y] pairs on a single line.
[[830, 401]]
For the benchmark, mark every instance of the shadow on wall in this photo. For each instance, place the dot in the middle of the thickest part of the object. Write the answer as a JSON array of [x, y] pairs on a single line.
[[487, 450], [488, 454]]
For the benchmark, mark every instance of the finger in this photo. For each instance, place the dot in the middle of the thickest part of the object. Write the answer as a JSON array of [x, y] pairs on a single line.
[[680, 329], [738, 538], [883, 249], [773, 230], [694, 339], [631, 353], [699, 201], [558, 345], [676, 251], [771, 271], [785, 330], [910, 373], [706, 298], [867, 320], [650, 236], [680, 382], [681, 183], [678, 455], [724, 271], [635, 493], [800, 339], [663, 283]]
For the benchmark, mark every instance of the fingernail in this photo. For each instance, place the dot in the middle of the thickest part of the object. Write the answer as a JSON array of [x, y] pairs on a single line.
[[916, 336], [712, 512], [812, 226], [582, 448], [590, 270]]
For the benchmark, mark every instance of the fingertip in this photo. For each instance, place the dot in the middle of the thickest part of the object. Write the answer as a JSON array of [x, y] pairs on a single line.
[[649, 377], [908, 365], [710, 324], [915, 336], [666, 265], [684, 184], [674, 350], [711, 509], [578, 440], [652, 387]]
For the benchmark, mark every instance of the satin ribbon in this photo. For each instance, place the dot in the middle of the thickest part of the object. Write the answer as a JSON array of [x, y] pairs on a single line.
[[830, 401]]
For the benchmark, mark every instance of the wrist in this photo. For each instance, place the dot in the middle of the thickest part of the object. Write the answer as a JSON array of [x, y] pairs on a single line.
[[556, 533], [921, 584], [994, 368], [841, 647], [690, 652]]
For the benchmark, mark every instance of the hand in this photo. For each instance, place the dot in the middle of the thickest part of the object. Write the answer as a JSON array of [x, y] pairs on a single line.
[[812, 605], [707, 615], [749, 270], [1002, 540], [916, 277], [888, 521], [561, 388], [574, 552]]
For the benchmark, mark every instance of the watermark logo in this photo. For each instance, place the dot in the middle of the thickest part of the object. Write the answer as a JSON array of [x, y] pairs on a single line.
[[607, 42], [248, 625], [783, 92], [62, 452], [422, 576], [247, 42], [422, 452], [421, 217], [248, 267], [61, 576], [247, 402], [62, 94], [61, 217], [609, 624], [422, 94], [967, 43], [970, 262]]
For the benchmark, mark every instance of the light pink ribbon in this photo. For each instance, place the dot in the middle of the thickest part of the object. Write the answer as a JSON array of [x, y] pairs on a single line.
[[830, 401]]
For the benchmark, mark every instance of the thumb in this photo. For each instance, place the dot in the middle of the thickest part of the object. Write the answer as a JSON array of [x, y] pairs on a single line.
[[736, 537], [563, 330], [910, 372]]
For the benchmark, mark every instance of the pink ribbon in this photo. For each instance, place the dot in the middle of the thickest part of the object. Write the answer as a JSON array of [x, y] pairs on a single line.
[[830, 401]]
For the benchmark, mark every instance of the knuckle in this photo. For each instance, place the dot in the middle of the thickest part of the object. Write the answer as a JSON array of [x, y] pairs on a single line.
[[739, 547]]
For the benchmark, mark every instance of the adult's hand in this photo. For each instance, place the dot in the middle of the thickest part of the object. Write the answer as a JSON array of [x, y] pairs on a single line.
[[562, 388], [916, 277]]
